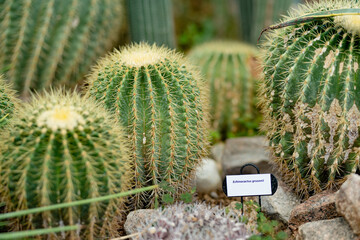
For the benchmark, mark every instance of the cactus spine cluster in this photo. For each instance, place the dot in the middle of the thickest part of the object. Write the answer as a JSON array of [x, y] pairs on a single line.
[[310, 97], [64, 148], [191, 221], [160, 100], [230, 70], [7, 103], [257, 14], [152, 21], [45, 43]]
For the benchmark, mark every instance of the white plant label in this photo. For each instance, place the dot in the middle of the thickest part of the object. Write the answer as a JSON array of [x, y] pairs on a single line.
[[248, 185]]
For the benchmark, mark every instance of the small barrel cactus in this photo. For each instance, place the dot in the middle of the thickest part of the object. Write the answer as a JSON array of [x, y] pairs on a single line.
[[43, 43], [7, 102], [230, 69], [310, 95], [257, 14], [189, 221], [152, 21], [160, 100], [65, 148]]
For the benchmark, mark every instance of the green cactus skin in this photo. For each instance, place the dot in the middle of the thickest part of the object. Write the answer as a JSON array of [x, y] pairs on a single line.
[[7, 103], [54, 42], [152, 21], [254, 15], [64, 148], [161, 101], [230, 70], [310, 98]]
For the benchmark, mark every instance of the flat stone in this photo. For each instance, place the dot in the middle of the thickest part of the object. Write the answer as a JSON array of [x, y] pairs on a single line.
[[318, 207], [135, 220], [280, 205], [336, 228], [348, 202], [244, 150]]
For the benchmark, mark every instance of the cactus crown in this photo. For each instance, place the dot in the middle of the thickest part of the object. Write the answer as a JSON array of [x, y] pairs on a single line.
[[159, 99], [63, 148], [310, 97], [229, 68]]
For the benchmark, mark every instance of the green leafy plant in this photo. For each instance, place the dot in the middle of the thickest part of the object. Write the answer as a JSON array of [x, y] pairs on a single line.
[[230, 69], [44, 43], [262, 227], [62, 148], [310, 95], [161, 102]]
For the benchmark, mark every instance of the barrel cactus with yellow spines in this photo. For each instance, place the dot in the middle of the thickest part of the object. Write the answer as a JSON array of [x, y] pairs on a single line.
[[161, 101], [54, 42], [230, 69], [310, 94], [7, 102], [63, 148]]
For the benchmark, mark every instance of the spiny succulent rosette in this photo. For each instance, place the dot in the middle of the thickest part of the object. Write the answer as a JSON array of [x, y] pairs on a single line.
[[311, 99], [192, 221], [230, 69], [7, 101], [44, 43], [160, 100], [65, 148]]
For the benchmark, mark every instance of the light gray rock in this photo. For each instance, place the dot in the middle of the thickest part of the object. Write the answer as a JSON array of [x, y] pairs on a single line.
[[217, 152], [136, 219], [279, 205], [207, 176], [336, 228], [243, 150], [348, 202]]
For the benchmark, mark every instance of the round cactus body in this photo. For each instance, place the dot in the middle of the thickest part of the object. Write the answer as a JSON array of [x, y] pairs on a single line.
[[65, 148], [160, 100], [230, 70], [7, 101], [310, 97], [43, 43]]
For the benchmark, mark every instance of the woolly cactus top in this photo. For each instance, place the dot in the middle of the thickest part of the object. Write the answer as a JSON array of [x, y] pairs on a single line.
[[62, 148], [192, 221]]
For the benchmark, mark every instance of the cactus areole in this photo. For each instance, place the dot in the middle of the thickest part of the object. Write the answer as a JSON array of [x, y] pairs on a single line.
[[64, 148], [159, 99], [310, 95]]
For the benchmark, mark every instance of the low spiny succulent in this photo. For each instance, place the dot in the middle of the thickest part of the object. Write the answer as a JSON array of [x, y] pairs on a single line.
[[7, 103], [160, 100], [44, 43], [310, 95], [230, 69], [63, 148], [192, 221]]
